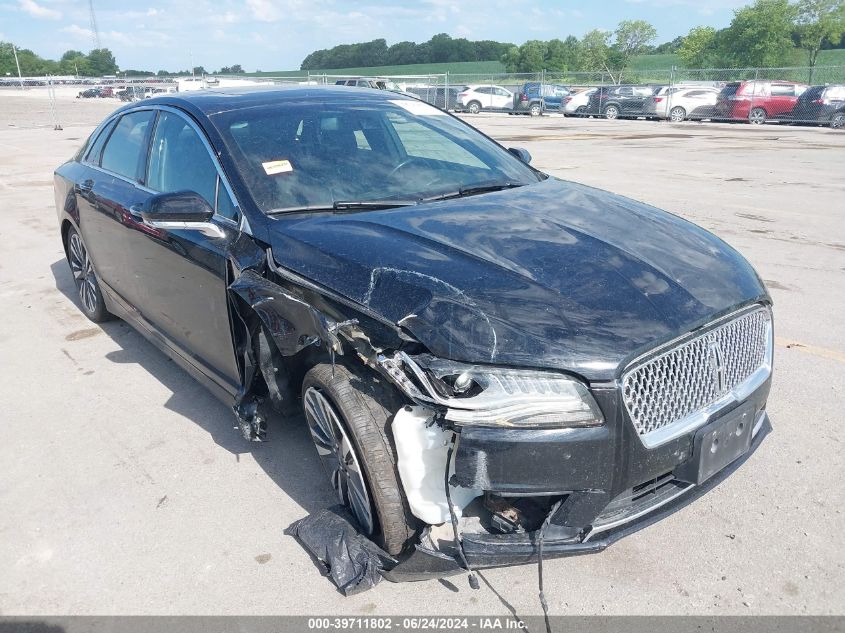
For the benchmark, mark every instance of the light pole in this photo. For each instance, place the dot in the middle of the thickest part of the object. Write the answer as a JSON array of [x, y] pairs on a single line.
[[18, 64]]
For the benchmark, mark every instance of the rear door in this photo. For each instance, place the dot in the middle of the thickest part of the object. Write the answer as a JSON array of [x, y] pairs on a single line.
[[181, 274], [782, 100], [113, 184]]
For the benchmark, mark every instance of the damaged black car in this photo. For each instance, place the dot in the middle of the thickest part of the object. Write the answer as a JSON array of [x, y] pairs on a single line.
[[493, 363]]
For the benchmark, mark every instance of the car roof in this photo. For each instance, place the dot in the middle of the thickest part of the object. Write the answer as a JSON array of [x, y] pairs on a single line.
[[216, 100]]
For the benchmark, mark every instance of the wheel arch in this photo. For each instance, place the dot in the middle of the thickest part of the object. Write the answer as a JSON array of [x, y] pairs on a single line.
[[280, 330]]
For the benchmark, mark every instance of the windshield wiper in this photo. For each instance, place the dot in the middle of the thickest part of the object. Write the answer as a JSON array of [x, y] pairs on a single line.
[[471, 190], [373, 204], [346, 205]]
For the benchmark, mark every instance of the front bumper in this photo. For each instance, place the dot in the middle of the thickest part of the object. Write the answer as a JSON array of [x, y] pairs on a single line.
[[613, 485]]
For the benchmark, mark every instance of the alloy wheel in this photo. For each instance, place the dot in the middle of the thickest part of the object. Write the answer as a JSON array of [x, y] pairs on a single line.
[[612, 112], [677, 115], [536, 110], [757, 116], [83, 273], [338, 456], [838, 122]]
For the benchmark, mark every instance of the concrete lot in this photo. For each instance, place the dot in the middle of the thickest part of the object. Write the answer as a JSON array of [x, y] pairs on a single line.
[[124, 489]]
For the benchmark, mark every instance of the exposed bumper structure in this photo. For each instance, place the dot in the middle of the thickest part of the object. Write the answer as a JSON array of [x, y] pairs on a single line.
[[613, 485], [502, 550]]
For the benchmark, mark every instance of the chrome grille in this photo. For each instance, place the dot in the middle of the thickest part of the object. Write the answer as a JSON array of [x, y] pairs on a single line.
[[675, 386]]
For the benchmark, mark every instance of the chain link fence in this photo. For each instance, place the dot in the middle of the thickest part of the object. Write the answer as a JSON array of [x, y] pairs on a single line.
[[757, 95], [796, 94]]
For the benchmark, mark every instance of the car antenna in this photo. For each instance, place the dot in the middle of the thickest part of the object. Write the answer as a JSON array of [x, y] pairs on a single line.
[[541, 537], [473, 579]]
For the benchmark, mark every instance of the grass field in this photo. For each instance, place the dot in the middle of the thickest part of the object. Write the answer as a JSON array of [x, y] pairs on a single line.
[[642, 64]]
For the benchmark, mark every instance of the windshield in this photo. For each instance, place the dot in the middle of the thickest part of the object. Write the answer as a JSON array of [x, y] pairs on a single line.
[[314, 154]]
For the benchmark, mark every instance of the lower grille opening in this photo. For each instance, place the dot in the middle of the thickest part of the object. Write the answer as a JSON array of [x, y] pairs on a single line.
[[639, 500]]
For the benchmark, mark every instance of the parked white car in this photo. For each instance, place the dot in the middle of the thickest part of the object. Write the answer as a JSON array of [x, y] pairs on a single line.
[[680, 103], [474, 99], [577, 103]]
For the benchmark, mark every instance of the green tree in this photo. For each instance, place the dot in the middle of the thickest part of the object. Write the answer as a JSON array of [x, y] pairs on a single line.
[[510, 60], [101, 62], [818, 22], [595, 51], [759, 35], [632, 38], [697, 49], [563, 55]]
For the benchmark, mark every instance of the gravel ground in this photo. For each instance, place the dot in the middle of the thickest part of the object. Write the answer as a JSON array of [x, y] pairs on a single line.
[[124, 489]]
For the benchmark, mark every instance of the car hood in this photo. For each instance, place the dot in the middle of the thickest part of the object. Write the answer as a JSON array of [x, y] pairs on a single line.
[[554, 274]]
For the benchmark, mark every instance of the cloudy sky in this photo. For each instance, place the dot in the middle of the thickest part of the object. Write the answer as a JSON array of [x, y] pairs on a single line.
[[277, 34]]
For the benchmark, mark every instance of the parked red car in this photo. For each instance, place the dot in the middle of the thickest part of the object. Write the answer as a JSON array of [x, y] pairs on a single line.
[[757, 101]]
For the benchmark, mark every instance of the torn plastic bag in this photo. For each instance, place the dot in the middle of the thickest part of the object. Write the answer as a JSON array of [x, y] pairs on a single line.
[[352, 560]]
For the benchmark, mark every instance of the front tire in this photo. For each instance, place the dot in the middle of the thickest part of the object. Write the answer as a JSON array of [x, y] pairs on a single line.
[[348, 414], [87, 286]]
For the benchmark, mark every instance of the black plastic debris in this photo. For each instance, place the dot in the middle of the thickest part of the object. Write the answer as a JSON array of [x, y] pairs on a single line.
[[352, 560]]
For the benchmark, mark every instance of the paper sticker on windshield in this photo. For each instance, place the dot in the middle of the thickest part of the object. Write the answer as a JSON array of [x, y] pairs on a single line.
[[420, 108], [273, 167]]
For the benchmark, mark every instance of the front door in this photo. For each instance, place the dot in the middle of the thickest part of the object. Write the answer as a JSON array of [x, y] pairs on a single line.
[[181, 274]]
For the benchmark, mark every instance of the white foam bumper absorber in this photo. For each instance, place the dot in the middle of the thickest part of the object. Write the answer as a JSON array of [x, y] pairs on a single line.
[[422, 448]]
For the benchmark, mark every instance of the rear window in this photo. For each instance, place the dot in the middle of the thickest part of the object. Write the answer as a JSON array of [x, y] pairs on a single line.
[[813, 92], [730, 90], [123, 153]]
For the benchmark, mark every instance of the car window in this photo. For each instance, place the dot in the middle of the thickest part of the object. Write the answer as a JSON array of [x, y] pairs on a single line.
[[484, 90], [179, 161], [124, 150], [783, 90], [225, 206], [95, 146], [835, 93], [502, 92], [299, 155]]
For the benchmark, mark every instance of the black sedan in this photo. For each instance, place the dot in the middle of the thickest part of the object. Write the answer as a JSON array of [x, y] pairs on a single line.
[[434, 304]]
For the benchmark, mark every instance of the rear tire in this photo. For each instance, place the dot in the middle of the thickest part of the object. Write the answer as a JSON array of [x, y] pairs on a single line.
[[474, 107], [611, 112], [677, 114], [535, 110], [364, 406], [757, 116], [838, 121], [90, 298]]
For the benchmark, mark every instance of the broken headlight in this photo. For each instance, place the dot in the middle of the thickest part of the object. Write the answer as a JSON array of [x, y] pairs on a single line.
[[498, 396]]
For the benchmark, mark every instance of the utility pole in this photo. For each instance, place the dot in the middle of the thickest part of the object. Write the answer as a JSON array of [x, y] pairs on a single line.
[[95, 32], [17, 63]]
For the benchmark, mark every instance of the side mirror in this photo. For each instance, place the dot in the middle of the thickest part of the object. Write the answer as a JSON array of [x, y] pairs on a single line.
[[521, 154], [180, 210], [179, 206]]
